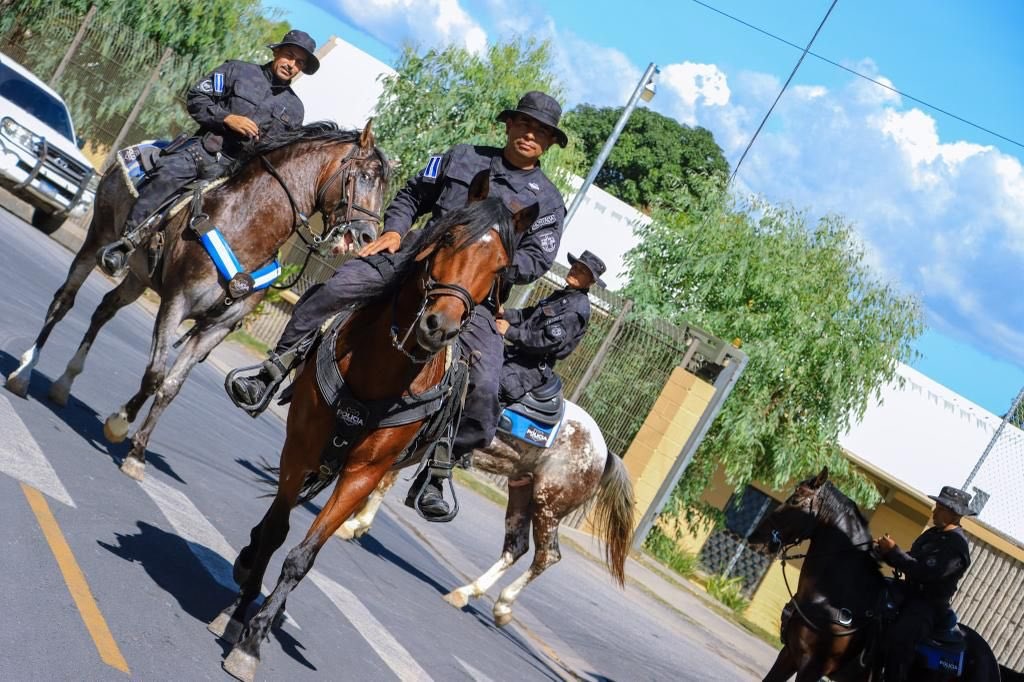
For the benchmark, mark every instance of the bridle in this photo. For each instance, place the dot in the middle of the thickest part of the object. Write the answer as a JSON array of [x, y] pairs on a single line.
[[433, 289], [343, 174]]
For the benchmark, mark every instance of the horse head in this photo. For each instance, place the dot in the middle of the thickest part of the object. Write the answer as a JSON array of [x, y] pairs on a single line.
[[350, 194], [463, 258], [793, 521]]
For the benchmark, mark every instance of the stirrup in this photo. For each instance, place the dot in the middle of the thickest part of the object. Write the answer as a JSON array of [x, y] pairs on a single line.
[[111, 247], [277, 371], [438, 464]]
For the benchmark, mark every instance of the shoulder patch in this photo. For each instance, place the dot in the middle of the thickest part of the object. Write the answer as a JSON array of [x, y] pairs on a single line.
[[544, 221], [206, 86], [433, 168], [218, 83], [548, 242]]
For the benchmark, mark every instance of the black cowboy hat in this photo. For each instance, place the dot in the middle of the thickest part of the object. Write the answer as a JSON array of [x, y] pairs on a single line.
[[541, 107], [301, 39], [955, 500], [593, 263]]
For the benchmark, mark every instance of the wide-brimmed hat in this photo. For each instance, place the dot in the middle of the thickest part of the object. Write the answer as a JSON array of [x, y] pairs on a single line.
[[541, 107], [593, 263], [955, 500], [301, 39]]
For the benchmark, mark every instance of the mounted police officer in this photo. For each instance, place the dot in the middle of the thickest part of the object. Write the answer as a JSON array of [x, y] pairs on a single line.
[[443, 186], [933, 568], [234, 104], [538, 336]]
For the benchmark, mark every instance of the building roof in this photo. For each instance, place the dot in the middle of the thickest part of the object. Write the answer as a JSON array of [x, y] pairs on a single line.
[[926, 436]]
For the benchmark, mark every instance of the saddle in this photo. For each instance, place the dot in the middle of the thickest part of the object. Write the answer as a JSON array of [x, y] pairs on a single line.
[[537, 417], [945, 647]]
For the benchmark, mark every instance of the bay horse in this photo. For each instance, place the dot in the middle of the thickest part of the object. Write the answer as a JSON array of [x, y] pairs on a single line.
[[544, 486], [319, 167], [840, 575], [387, 351]]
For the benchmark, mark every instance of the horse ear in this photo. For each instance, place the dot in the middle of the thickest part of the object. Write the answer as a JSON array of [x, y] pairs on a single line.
[[822, 477], [480, 187], [367, 140], [525, 217]]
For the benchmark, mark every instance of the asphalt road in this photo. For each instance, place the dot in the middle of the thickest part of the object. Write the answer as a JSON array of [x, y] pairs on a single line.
[[106, 578]]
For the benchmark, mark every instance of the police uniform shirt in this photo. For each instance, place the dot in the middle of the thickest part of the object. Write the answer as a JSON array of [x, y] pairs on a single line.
[[935, 563], [552, 328], [443, 186], [243, 89]]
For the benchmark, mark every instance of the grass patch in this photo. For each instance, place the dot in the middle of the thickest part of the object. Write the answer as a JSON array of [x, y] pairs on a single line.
[[729, 591], [481, 487], [667, 551], [249, 341]]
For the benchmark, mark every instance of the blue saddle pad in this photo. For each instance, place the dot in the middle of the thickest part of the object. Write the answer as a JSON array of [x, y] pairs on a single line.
[[946, 659], [528, 430]]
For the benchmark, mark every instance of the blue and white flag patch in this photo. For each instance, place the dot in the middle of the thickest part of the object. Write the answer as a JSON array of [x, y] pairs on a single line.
[[218, 83], [433, 168]]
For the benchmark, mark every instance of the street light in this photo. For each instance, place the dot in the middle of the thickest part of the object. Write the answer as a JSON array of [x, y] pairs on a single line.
[[645, 91]]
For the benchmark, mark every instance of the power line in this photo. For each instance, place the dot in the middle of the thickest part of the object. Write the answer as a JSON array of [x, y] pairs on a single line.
[[784, 86], [864, 76]]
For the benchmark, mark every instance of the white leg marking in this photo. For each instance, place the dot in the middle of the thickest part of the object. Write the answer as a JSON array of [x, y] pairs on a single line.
[[17, 381], [61, 389]]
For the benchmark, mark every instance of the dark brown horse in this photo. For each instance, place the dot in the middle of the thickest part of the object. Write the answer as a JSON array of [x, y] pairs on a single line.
[[340, 173], [388, 350], [840, 592], [544, 486]]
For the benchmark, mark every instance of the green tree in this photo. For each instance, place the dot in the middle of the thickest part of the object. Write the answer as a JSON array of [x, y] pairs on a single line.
[[653, 156], [449, 96], [822, 332], [124, 44]]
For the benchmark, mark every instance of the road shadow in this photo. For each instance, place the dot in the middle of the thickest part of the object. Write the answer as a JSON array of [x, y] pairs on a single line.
[[82, 419], [202, 587]]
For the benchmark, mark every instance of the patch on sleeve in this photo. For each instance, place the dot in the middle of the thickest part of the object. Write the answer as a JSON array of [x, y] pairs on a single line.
[[548, 242], [556, 331], [433, 168], [206, 86], [544, 221], [218, 83]]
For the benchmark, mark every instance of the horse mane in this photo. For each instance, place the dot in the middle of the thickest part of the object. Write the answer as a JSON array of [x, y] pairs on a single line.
[[835, 507], [473, 221], [318, 131]]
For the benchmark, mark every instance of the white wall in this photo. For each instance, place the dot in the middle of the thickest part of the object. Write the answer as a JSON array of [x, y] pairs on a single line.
[[346, 87]]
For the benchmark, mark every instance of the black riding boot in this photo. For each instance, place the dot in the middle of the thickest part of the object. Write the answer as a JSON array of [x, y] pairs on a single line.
[[432, 502], [113, 258]]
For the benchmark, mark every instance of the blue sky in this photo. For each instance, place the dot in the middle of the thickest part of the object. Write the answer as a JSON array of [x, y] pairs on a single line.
[[938, 204]]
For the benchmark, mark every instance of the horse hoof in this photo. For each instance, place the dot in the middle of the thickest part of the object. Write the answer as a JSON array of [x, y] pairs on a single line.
[[502, 619], [133, 468], [115, 429], [241, 665], [361, 531], [17, 384], [226, 627], [457, 598], [59, 394]]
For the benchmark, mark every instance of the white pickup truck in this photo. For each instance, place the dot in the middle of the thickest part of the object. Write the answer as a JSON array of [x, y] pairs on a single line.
[[40, 157]]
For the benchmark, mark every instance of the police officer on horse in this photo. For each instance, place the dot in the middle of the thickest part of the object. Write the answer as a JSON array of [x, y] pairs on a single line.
[[237, 103], [440, 187], [933, 568]]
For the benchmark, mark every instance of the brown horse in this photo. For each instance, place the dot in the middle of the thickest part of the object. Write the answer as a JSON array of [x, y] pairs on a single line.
[[544, 486], [386, 352], [839, 594], [340, 173]]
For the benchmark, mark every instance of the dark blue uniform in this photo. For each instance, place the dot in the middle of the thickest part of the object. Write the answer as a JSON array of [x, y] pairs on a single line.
[[234, 87], [540, 335], [933, 568], [443, 186]]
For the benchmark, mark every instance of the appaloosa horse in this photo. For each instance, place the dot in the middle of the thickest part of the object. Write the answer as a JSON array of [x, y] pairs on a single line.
[[544, 486], [340, 173], [388, 355], [834, 625]]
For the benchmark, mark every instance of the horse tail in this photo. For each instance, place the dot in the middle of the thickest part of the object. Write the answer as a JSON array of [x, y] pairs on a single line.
[[981, 664], [613, 516]]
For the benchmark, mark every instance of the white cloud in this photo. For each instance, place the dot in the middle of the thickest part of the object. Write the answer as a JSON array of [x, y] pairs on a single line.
[[688, 84], [431, 23]]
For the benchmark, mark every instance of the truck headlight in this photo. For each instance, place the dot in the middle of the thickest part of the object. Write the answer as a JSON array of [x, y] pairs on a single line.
[[19, 134]]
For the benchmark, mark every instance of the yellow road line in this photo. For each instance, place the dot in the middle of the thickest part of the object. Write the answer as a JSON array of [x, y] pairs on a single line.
[[75, 580]]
